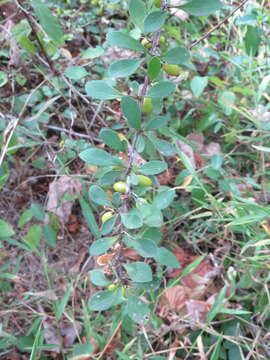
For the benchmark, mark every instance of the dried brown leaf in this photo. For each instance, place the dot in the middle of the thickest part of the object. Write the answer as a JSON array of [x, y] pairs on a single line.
[[60, 188], [51, 335], [211, 149], [70, 332], [174, 298], [196, 312]]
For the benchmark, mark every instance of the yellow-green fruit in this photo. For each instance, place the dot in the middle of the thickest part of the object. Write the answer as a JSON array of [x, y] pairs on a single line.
[[146, 43], [144, 180], [111, 286], [162, 39], [99, 12], [120, 186], [171, 69], [157, 3], [122, 137], [106, 216], [147, 105]]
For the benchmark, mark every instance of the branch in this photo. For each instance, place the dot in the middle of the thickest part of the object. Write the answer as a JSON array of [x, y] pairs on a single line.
[[218, 25]]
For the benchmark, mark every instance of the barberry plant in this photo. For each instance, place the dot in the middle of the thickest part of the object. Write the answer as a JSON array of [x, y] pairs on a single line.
[[134, 204]]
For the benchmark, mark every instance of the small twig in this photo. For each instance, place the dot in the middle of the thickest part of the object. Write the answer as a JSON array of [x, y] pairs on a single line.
[[32, 24], [73, 133], [218, 25]]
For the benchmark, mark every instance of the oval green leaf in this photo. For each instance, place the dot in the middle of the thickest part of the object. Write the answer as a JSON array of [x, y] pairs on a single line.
[[125, 41], [154, 21], [99, 157], [139, 271], [99, 89], [153, 167], [98, 195], [161, 89], [131, 110]]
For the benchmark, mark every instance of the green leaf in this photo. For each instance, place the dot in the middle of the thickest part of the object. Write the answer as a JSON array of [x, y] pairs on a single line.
[[21, 29], [98, 278], [154, 21], [49, 23], [75, 72], [154, 68], [104, 300], [218, 305], [139, 271], [98, 195], [131, 110], [110, 177], [167, 258], [226, 100], [25, 217], [49, 235], [145, 247], [92, 53], [163, 147], [161, 89], [99, 157], [177, 56], [153, 167], [111, 139], [99, 89], [6, 230], [252, 40], [125, 41], [157, 123], [132, 219], [164, 198], [138, 12], [108, 225], [148, 286], [27, 44], [137, 309], [61, 305], [198, 84], [81, 351], [202, 8], [38, 211], [89, 218], [124, 67], [3, 78], [151, 215], [101, 246], [33, 236]]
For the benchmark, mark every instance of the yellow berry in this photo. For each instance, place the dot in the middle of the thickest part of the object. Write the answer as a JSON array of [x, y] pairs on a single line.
[[122, 137], [157, 3], [111, 286], [106, 216], [146, 43], [144, 180], [120, 186], [147, 106], [173, 70], [162, 39]]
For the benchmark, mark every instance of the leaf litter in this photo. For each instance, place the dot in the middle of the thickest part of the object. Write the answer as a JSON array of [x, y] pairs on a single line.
[[193, 299]]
